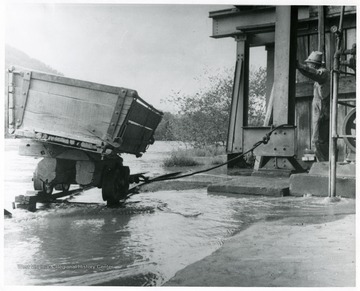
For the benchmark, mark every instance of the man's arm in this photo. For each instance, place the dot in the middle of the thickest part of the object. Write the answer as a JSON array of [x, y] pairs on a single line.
[[320, 76]]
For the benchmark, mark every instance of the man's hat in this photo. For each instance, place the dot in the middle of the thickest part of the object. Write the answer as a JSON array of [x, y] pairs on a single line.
[[315, 58]]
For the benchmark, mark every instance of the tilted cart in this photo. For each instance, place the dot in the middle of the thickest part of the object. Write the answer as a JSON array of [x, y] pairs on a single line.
[[80, 129]]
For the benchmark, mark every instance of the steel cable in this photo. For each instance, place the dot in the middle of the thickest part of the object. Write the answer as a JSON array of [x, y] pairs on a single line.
[[177, 175]]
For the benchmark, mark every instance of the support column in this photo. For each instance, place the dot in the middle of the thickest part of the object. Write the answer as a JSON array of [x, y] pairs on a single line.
[[285, 65], [275, 158], [239, 103]]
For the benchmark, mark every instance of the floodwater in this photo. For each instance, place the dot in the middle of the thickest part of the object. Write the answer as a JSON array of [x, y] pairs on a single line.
[[143, 244]]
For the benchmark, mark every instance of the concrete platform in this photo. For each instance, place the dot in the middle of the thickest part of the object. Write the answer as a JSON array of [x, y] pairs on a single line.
[[253, 185], [342, 169], [317, 185], [316, 182], [315, 250]]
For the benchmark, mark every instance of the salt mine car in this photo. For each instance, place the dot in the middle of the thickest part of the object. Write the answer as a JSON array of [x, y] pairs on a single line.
[[80, 129]]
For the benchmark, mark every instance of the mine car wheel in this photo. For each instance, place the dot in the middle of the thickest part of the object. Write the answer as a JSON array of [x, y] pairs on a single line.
[[65, 187], [115, 185], [349, 128], [47, 188], [38, 184], [41, 186]]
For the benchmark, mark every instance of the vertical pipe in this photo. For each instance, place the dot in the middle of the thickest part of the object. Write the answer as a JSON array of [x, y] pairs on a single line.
[[341, 22], [333, 143], [334, 113], [330, 134], [321, 48]]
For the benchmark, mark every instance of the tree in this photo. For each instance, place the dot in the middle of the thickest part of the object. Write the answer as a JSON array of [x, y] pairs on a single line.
[[165, 129], [203, 117], [257, 94]]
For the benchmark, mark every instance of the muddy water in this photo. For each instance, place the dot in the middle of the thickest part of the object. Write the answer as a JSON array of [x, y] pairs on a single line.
[[143, 244]]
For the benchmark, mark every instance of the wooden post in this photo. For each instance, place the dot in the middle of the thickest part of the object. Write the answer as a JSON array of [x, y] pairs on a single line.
[[284, 69], [239, 104]]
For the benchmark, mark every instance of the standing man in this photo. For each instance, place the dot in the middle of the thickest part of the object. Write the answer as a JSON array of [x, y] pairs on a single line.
[[315, 70]]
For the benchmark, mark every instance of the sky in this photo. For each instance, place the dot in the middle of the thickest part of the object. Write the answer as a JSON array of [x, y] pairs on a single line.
[[154, 49]]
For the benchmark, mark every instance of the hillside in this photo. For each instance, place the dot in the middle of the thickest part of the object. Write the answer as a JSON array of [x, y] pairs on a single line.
[[14, 56]]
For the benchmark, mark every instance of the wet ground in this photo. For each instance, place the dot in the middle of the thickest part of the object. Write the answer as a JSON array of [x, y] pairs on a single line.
[[143, 244]]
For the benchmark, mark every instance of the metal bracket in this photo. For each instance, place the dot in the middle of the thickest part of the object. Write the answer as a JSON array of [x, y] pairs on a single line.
[[116, 115], [25, 93], [240, 36], [279, 153], [282, 163], [281, 143]]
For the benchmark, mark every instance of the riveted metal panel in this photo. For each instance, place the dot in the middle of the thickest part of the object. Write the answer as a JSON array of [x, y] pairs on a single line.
[[281, 143]]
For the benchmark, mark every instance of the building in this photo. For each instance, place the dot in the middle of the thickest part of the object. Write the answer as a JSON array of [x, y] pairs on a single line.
[[289, 33]]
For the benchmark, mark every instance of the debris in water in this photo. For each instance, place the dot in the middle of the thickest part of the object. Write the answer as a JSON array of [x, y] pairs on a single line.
[[164, 208], [7, 214]]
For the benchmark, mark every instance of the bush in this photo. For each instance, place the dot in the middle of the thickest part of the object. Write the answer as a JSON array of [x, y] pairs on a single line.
[[187, 157], [217, 161], [180, 159], [208, 151]]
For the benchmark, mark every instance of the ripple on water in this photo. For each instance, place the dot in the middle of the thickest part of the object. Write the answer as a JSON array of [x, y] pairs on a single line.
[[143, 244]]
